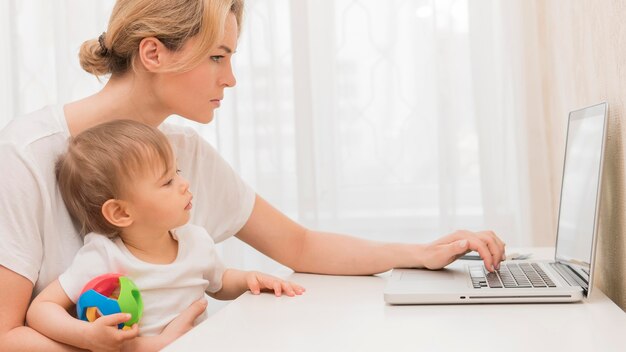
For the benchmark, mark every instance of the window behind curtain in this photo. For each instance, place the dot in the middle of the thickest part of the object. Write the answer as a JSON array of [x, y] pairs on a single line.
[[357, 116]]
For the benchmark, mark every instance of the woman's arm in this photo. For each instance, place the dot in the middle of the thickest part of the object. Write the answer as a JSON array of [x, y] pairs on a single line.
[[15, 294], [303, 250]]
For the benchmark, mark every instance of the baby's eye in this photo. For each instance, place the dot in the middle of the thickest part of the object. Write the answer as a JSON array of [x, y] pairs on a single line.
[[168, 182], [178, 171], [217, 58]]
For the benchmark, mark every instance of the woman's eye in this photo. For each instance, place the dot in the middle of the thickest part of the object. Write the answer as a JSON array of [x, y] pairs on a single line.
[[168, 183], [217, 58]]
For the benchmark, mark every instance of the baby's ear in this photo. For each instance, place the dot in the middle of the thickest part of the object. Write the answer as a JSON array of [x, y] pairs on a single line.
[[114, 210]]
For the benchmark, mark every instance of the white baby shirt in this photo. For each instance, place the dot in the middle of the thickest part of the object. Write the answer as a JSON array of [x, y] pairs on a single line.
[[166, 289]]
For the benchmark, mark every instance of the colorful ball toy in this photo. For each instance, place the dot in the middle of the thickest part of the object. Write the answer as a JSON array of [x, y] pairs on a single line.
[[109, 294]]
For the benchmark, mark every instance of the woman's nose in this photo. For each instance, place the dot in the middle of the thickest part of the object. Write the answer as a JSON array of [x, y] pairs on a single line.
[[228, 79]]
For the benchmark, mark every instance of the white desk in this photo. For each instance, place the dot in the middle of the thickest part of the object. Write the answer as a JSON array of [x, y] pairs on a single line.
[[347, 313]]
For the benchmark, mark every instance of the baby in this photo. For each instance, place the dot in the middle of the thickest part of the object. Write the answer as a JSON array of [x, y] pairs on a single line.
[[120, 184]]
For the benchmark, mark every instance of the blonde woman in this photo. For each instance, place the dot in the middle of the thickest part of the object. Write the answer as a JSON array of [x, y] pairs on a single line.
[[166, 57]]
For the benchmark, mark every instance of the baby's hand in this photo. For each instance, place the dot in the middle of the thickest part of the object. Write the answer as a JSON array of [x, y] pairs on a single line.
[[258, 282], [103, 334]]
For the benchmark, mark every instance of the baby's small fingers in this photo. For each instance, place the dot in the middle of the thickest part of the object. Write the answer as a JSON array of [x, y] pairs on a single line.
[[278, 290], [288, 289], [299, 289]]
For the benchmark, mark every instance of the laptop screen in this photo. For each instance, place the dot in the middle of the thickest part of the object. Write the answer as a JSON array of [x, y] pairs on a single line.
[[581, 186]]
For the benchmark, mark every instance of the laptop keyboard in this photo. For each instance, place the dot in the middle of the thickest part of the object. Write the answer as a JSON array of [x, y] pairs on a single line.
[[511, 275]]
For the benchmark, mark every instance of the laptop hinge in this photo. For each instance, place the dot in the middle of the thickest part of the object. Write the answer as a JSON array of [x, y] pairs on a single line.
[[571, 276]]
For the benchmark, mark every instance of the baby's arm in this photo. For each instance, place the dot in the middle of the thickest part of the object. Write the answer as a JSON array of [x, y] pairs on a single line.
[[236, 282], [48, 314]]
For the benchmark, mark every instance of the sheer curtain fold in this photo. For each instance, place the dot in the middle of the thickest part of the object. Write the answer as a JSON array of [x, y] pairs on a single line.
[[395, 121], [518, 197]]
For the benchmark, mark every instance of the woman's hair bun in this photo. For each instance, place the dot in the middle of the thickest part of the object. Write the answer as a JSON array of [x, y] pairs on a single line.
[[92, 59]]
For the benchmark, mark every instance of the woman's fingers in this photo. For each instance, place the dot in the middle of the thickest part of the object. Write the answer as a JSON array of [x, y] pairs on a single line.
[[494, 247], [487, 244], [189, 315], [480, 246]]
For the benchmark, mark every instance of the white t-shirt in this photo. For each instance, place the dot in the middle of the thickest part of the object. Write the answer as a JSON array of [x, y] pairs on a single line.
[[166, 289], [37, 237]]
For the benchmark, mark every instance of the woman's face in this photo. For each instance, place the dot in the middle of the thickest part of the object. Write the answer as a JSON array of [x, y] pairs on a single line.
[[196, 94]]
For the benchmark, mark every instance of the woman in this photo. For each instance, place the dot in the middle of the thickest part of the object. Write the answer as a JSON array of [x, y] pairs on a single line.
[[166, 57]]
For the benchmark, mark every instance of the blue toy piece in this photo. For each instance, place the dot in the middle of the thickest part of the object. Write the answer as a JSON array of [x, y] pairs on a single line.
[[109, 294], [104, 304]]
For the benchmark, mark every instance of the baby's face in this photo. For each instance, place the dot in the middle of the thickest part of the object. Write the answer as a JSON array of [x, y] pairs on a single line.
[[160, 200]]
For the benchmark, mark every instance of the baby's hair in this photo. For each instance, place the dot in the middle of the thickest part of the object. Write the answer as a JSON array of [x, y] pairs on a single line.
[[170, 21], [99, 164]]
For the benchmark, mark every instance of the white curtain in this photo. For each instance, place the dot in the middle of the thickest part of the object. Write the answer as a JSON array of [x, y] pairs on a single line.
[[390, 120]]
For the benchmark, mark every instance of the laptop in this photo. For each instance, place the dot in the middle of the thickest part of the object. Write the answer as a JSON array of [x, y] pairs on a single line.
[[568, 277]]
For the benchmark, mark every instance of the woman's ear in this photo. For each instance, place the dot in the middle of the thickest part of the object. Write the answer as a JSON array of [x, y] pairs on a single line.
[[153, 54], [115, 212]]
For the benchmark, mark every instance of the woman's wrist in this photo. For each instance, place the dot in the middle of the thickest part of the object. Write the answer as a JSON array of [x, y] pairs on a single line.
[[408, 256]]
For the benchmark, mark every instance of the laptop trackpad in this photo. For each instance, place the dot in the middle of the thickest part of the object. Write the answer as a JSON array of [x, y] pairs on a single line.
[[429, 279]]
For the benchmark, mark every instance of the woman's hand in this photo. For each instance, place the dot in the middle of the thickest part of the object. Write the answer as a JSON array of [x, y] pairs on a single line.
[[258, 282], [184, 321], [447, 249], [175, 329]]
